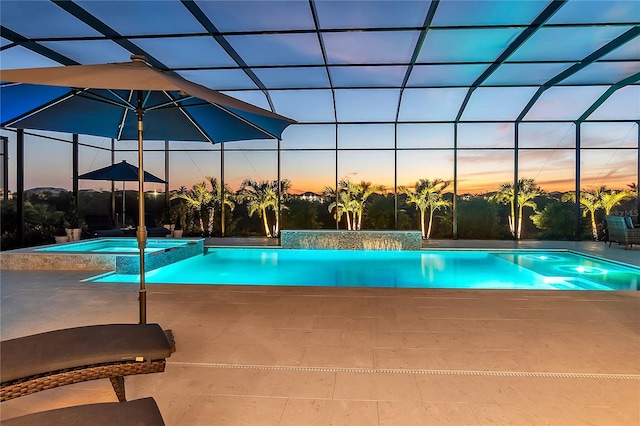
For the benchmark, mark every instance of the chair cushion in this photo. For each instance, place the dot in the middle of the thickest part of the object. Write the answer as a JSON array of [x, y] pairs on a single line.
[[628, 222], [76, 347], [159, 231], [138, 412], [108, 233], [98, 222]]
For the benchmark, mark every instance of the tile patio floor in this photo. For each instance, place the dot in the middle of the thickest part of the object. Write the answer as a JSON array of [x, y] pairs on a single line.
[[339, 356]]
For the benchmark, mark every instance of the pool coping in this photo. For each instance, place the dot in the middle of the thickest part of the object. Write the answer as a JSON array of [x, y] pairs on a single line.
[[34, 258]]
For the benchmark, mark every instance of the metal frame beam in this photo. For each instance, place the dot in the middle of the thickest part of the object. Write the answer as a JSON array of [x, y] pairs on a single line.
[[90, 20], [535, 25], [414, 57], [607, 48], [610, 91], [35, 47], [213, 31], [323, 50]]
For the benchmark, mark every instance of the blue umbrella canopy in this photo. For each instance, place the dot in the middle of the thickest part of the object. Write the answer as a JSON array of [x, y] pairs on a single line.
[[123, 172], [125, 101], [120, 172], [107, 99]]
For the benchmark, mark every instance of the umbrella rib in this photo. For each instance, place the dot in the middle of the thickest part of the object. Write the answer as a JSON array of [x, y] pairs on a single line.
[[99, 98], [124, 115], [196, 125], [186, 114], [171, 102], [247, 122], [124, 101]]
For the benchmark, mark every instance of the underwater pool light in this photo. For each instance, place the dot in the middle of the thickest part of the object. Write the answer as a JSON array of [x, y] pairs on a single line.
[[581, 269]]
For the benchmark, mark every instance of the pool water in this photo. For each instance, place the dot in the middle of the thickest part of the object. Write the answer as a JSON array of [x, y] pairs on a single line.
[[403, 269], [113, 245]]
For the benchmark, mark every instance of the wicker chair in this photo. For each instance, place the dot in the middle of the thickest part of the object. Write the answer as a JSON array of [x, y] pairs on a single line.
[[62, 357], [620, 233], [140, 412]]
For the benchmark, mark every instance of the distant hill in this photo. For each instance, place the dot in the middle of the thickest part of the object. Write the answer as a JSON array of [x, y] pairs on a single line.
[[52, 190]]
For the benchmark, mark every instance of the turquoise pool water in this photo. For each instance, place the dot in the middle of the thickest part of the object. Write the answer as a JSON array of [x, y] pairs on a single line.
[[402, 269], [113, 245]]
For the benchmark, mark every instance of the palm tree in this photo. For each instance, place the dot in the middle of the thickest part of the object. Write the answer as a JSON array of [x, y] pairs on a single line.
[[338, 204], [427, 195], [205, 202], [343, 202], [505, 195], [527, 191], [285, 186], [216, 200], [362, 192], [611, 198], [198, 199], [589, 202], [260, 197]]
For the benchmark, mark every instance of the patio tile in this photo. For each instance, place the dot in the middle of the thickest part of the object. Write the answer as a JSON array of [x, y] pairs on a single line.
[[463, 389], [223, 410], [376, 386], [293, 384], [239, 334], [343, 323], [420, 413], [277, 321], [256, 354], [584, 361], [409, 358], [509, 414], [338, 356], [201, 344], [321, 412], [570, 391], [360, 338], [308, 337], [496, 360]]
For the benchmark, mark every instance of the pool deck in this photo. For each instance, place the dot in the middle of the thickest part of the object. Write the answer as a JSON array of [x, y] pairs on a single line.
[[319, 356]]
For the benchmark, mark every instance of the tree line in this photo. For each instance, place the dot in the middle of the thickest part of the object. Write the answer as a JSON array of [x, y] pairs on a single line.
[[425, 205], [349, 203]]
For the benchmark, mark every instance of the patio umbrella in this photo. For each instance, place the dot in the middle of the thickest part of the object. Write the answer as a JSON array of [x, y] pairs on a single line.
[[123, 172], [124, 101]]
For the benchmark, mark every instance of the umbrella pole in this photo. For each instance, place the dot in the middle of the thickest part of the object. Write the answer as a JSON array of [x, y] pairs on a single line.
[[124, 195], [141, 232]]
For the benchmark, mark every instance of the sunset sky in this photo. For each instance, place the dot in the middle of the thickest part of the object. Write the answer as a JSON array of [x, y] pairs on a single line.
[[479, 169]]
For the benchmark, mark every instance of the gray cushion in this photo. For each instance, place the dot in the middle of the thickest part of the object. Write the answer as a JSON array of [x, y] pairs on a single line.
[[80, 346], [139, 412]]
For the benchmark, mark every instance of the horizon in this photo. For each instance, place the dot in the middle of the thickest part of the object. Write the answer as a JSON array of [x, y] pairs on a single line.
[[605, 160]]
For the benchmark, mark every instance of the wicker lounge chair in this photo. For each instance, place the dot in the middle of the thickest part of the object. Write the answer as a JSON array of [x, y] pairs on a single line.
[[140, 412], [621, 233], [47, 360]]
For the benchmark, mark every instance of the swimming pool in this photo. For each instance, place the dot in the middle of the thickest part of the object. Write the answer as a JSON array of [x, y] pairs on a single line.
[[550, 270]]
